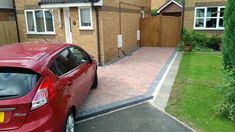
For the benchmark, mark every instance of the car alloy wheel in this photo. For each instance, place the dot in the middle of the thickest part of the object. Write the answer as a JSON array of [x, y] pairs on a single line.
[[70, 125]]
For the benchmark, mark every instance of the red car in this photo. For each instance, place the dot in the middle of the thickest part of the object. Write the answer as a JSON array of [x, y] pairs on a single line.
[[43, 85]]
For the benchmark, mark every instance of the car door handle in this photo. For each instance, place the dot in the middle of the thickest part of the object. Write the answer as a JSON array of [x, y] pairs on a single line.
[[69, 83]]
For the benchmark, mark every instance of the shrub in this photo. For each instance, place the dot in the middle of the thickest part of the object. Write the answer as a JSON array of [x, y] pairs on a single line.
[[227, 108], [200, 41], [202, 49], [215, 42], [180, 46], [186, 38], [154, 12]]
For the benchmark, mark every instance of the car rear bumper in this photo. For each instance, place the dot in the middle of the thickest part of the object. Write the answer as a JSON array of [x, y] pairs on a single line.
[[44, 119]]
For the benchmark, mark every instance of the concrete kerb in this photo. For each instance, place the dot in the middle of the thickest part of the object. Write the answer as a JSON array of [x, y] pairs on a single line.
[[110, 112], [111, 107], [182, 123], [155, 93]]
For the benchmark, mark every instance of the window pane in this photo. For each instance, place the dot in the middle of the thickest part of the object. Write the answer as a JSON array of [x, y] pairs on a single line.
[[78, 54], [16, 82], [221, 22], [30, 21], [211, 22], [49, 21], [200, 13], [212, 12], [221, 12], [40, 21], [54, 69], [199, 23], [65, 62], [85, 17]]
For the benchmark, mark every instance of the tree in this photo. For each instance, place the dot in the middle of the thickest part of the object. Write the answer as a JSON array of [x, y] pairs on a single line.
[[228, 106], [229, 36]]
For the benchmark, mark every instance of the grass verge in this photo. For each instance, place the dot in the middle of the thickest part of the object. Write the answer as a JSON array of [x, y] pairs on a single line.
[[196, 92]]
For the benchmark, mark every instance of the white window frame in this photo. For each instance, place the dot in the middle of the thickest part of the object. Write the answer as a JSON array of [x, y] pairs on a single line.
[[205, 18], [80, 22], [35, 24]]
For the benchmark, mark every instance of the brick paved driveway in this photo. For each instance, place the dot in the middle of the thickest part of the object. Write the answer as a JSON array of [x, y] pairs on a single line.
[[128, 80]]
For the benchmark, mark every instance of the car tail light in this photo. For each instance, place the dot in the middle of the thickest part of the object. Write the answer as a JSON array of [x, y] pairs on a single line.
[[44, 94]]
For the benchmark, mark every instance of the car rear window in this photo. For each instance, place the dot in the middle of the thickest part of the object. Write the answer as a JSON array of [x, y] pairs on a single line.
[[16, 82]]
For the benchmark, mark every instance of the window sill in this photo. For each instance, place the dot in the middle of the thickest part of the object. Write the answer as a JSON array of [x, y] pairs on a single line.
[[209, 29], [86, 29], [41, 33]]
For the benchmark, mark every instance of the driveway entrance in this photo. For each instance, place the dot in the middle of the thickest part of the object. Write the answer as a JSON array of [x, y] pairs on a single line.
[[130, 80], [140, 118]]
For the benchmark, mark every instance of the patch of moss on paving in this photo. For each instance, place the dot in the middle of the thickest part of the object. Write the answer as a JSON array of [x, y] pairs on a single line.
[[196, 93]]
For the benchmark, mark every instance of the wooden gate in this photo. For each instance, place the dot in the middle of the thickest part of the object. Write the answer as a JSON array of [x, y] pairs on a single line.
[[8, 32], [160, 31]]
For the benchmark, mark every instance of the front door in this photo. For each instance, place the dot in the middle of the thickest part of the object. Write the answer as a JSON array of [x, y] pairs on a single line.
[[68, 33]]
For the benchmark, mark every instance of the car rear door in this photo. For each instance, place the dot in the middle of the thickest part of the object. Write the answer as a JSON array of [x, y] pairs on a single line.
[[72, 76], [86, 67]]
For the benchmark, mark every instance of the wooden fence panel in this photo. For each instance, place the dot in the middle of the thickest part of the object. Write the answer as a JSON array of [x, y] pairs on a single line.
[[160, 31], [8, 32], [150, 37]]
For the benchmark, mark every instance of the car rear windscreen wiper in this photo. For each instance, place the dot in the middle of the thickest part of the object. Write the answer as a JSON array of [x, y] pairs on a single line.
[[9, 96]]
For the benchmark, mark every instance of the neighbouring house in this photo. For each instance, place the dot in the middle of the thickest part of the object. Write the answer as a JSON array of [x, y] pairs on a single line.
[[6, 10], [170, 8], [204, 15], [107, 29], [156, 4], [8, 23]]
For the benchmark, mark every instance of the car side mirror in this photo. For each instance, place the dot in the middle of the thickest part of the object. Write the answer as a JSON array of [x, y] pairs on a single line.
[[92, 57]]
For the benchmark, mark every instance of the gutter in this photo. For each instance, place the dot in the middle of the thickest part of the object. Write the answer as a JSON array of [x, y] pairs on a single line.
[[182, 26], [97, 32], [17, 27]]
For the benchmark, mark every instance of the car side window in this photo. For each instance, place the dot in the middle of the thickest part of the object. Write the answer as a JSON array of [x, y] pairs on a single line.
[[81, 58], [54, 69], [66, 61]]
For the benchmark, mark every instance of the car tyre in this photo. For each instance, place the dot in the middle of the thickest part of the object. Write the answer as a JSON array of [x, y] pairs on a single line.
[[95, 82], [70, 123]]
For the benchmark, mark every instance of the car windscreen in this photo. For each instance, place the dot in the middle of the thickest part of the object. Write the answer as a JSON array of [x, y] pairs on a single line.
[[16, 82]]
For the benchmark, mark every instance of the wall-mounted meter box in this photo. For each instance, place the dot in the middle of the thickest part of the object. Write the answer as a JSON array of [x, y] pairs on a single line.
[[119, 40]]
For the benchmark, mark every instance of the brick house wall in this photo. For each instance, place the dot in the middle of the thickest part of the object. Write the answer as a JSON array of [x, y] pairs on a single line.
[[84, 38], [130, 18], [156, 4], [22, 5], [189, 12], [109, 27]]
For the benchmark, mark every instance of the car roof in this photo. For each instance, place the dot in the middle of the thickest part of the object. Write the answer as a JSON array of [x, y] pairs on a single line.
[[28, 55]]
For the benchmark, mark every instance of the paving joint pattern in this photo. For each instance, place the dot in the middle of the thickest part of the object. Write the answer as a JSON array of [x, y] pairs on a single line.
[[91, 112]]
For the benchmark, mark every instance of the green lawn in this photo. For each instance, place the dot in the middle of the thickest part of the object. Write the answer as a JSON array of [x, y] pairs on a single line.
[[196, 92]]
